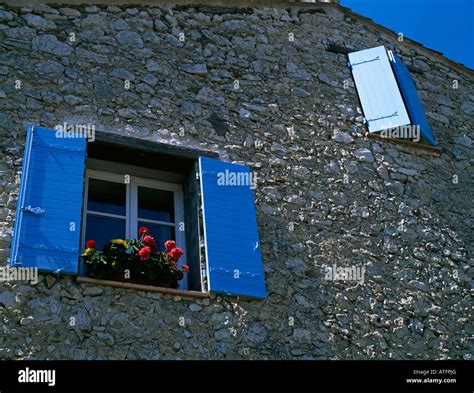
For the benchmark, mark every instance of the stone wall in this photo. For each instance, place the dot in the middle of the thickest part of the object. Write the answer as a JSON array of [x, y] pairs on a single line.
[[239, 85]]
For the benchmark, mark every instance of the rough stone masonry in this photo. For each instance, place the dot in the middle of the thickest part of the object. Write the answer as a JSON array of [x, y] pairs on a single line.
[[258, 86]]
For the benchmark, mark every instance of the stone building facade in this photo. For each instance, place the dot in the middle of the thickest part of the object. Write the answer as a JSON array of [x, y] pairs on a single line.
[[257, 86]]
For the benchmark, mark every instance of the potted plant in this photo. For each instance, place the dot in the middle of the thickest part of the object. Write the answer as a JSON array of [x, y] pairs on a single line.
[[136, 261]]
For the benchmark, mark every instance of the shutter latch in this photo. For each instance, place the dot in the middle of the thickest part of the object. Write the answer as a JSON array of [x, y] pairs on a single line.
[[34, 210]]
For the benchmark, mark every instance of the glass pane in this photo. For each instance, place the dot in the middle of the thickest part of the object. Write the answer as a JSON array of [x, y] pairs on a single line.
[[155, 204], [104, 229], [161, 233], [106, 197]]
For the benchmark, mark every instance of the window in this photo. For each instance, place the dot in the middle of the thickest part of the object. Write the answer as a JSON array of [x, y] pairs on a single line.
[[117, 205], [388, 96], [71, 190]]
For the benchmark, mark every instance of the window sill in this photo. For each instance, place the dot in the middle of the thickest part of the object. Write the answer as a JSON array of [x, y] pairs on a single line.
[[139, 287], [415, 145]]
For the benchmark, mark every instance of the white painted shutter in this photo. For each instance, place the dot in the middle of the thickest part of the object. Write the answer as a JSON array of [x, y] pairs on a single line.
[[378, 90]]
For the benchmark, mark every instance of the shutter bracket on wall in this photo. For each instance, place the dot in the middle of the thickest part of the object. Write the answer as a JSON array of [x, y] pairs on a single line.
[[34, 210]]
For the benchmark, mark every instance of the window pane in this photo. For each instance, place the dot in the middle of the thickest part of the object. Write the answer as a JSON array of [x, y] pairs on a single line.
[[155, 204], [104, 229], [107, 197], [161, 233]]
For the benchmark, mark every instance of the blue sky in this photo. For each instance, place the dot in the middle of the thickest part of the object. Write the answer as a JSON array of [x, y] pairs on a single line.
[[443, 25]]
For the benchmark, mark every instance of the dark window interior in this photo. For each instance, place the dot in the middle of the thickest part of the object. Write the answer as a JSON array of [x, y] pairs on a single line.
[[155, 204], [103, 229], [106, 197]]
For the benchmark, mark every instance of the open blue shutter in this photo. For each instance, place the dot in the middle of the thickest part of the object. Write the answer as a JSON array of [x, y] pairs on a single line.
[[234, 262], [48, 217], [414, 106], [377, 88]]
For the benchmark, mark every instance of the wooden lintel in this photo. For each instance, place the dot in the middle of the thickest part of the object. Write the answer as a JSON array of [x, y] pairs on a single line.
[[152, 146]]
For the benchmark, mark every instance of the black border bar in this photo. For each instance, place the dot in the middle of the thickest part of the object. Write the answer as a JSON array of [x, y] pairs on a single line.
[[241, 376]]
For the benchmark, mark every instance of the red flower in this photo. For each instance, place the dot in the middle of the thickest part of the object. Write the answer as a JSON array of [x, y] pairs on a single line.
[[176, 253], [149, 241], [91, 244], [170, 244], [185, 268], [145, 253], [180, 275], [144, 230]]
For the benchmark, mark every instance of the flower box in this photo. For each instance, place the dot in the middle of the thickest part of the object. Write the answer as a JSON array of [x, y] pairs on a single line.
[[136, 261]]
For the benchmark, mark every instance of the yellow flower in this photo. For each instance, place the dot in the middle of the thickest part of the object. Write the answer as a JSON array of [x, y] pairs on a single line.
[[121, 242], [88, 252]]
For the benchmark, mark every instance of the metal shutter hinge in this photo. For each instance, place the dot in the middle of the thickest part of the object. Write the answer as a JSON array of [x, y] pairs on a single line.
[[383, 117], [34, 210], [365, 61]]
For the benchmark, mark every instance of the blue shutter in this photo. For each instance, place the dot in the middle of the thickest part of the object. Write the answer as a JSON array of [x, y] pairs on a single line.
[[49, 203], [234, 262], [415, 109], [377, 88]]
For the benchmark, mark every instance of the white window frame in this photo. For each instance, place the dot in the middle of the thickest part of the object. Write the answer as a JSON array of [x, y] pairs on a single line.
[[131, 208]]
